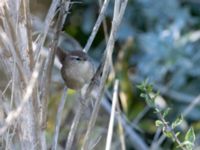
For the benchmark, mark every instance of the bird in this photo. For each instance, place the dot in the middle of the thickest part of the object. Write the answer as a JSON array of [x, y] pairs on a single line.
[[77, 68]]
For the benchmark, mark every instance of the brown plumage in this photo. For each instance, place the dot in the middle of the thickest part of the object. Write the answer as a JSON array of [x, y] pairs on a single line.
[[77, 68]]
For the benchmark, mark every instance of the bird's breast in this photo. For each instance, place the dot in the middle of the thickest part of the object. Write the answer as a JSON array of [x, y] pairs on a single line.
[[77, 74]]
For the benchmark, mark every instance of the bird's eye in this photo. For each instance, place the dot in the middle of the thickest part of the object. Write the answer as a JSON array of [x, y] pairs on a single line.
[[76, 58]]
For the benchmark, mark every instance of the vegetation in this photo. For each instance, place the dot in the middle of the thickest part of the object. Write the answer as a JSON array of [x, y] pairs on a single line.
[[129, 42]]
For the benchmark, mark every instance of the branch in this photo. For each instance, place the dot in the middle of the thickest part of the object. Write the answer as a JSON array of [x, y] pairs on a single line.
[[112, 116], [58, 119], [96, 26], [29, 32]]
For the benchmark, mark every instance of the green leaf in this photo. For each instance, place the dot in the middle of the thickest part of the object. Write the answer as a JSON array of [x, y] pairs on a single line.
[[190, 135], [168, 134], [150, 102], [149, 88], [189, 139], [159, 123], [166, 112], [143, 95], [143, 85], [157, 110], [145, 82], [177, 134], [177, 122], [187, 144], [140, 86]]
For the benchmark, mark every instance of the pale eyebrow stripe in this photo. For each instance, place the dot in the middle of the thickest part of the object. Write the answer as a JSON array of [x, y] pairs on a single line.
[[72, 56], [75, 57]]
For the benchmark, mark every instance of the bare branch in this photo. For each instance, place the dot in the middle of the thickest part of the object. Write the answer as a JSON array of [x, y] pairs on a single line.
[[74, 126], [120, 126], [96, 26], [29, 32], [59, 119], [112, 116]]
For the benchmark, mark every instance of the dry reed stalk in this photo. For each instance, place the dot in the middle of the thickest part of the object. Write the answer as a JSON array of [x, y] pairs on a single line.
[[22, 65]]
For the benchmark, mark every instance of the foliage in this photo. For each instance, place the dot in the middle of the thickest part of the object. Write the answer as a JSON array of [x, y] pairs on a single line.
[[168, 51], [167, 128]]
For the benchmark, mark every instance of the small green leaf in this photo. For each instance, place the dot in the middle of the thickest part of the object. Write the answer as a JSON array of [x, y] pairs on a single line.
[[168, 134], [166, 112], [177, 122], [177, 134], [145, 82], [189, 139], [157, 110], [190, 136], [187, 144], [140, 86], [150, 103], [143, 95], [149, 88], [159, 123], [145, 86]]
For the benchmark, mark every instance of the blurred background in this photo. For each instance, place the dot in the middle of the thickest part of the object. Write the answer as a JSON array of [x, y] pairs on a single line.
[[158, 40]]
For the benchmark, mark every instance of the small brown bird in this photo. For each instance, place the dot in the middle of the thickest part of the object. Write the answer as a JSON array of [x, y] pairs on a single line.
[[77, 68]]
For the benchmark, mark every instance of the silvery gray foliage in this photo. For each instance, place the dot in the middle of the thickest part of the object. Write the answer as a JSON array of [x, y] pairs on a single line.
[[165, 55], [169, 49], [165, 12]]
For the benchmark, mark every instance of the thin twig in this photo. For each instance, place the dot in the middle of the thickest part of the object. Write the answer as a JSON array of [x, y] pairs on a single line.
[[136, 140], [74, 126], [140, 115], [157, 141], [29, 32], [48, 20], [105, 28], [120, 126], [7, 86], [193, 103], [59, 118], [43, 141], [96, 142], [96, 26], [112, 116]]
